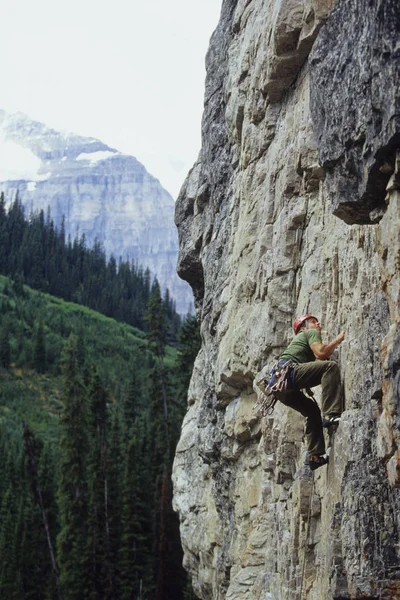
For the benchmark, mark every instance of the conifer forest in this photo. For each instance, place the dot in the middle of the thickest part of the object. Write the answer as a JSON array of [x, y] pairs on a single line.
[[94, 369]]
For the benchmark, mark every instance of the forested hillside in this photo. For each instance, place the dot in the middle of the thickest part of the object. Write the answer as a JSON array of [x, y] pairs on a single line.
[[90, 413], [34, 251]]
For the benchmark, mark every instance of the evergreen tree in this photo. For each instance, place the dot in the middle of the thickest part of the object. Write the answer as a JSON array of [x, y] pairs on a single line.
[[110, 509], [156, 337], [98, 517], [5, 348], [171, 578], [39, 349], [34, 252], [18, 284], [3, 235], [155, 317], [72, 487], [16, 226], [43, 536], [158, 427], [133, 397], [8, 518], [135, 552], [115, 489], [47, 479], [161, 462]]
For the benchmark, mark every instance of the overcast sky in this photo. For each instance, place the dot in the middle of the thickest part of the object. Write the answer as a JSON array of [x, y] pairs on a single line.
[[128, 72]]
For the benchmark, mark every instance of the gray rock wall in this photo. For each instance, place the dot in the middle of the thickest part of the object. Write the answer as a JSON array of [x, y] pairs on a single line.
[[268, 229]]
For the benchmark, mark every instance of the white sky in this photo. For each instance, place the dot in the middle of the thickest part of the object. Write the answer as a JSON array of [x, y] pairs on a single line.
[[128, 72]]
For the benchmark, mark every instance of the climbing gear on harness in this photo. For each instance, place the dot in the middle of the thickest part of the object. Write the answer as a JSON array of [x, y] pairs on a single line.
[[280, 378], [300, 320], [329, 420], [266, 404], [319, 462]]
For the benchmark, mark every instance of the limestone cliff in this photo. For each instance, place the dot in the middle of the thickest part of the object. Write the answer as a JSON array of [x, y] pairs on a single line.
[[101, 193], [294, 206]]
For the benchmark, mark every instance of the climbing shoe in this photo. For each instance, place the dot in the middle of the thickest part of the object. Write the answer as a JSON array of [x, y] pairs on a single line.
[[317, 462], [329, 420]]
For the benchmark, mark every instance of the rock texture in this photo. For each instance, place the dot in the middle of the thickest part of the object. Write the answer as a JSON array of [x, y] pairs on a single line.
[[288, 211], [102, 194], [357, 145]]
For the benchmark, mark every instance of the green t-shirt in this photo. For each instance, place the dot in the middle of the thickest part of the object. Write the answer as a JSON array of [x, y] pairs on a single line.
[[299, 349]]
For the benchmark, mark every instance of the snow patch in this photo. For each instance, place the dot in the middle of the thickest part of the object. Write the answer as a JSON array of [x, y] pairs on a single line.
[[17, 162], [31, 186], [94, 157]]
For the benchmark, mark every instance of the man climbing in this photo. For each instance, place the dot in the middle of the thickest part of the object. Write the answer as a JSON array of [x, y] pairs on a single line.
[[308, 354]]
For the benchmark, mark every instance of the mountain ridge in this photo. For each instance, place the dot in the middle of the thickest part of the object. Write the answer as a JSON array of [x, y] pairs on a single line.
[[102, 193]]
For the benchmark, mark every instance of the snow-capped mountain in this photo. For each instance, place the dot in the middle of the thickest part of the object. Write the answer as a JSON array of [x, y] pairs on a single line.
[[102, 193]]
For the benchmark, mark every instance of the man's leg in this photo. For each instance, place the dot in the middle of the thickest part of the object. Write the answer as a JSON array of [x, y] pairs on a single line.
[[326, 373], [310, 410]]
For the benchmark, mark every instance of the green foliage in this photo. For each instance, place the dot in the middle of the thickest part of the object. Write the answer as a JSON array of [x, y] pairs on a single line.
[[155, 318], [135, 551], [102, 401], [34, 252], [39, 349], [5, 349], [73, 493], [100, 570]]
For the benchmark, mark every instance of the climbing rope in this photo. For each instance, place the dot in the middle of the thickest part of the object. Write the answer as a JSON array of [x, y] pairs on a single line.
[[307, 535]]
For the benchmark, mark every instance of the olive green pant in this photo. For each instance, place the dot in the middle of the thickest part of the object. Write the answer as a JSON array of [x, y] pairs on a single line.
[[308, 375]]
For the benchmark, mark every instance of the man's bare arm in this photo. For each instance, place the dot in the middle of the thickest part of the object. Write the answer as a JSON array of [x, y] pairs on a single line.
[[324, 351]]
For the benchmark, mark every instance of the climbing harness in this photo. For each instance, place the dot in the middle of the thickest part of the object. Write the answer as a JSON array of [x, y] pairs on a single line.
[[280, 378]]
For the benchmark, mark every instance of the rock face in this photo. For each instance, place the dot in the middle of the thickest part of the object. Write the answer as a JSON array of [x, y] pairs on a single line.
[[102, 194], [294, 206], [357, 145]]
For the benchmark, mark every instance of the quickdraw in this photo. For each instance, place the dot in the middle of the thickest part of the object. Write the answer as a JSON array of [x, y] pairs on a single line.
[[266, 404]]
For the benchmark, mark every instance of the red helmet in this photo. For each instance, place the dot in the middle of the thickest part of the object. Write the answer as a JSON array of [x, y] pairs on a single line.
[[300, 320]]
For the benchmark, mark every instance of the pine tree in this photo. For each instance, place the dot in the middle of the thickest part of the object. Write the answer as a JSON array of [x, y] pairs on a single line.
[[115, 487], [32, 449], [160, 460], [13, 488], [156, 337], [134, 554], [5, 348], [8, 517], [4, 242], [16, 226], [39, 349], [159, 426], [73, 490], [133, 397], [98, 517], [33, 251], [47, 478], [155, 317]]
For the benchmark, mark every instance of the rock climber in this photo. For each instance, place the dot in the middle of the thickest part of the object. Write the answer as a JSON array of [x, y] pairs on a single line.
[[306, 358]]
